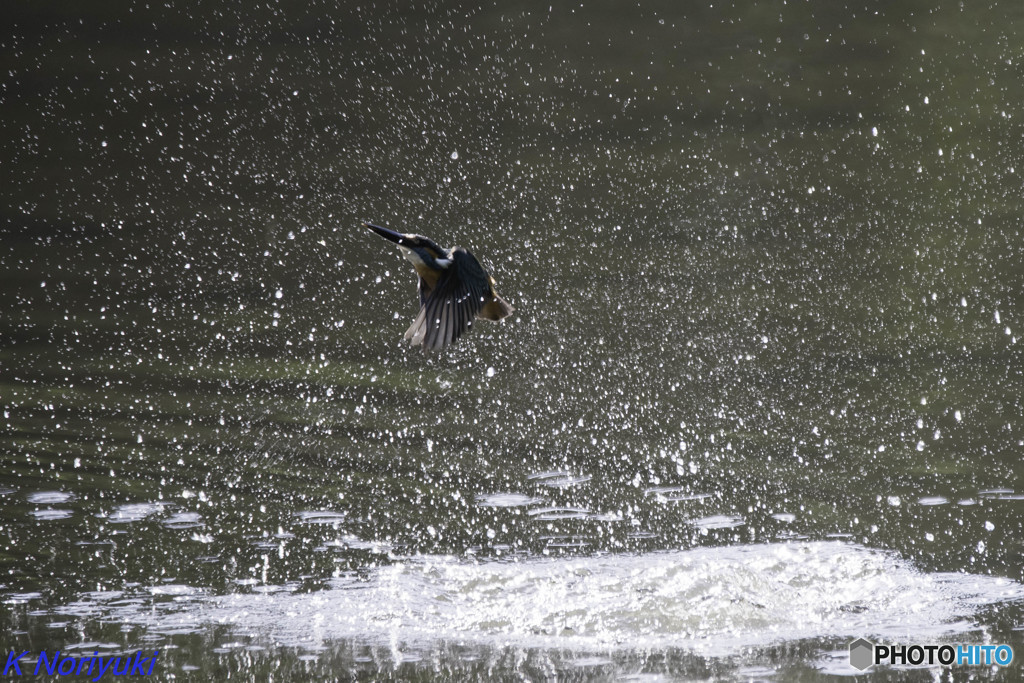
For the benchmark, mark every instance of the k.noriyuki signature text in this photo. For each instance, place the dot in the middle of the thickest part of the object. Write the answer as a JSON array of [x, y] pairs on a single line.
[[94, 666]]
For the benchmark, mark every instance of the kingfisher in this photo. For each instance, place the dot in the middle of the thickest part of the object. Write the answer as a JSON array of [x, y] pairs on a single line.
[[454, 290]]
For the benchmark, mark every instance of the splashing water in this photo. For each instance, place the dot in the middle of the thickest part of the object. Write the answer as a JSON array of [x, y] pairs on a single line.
[[714, 601]]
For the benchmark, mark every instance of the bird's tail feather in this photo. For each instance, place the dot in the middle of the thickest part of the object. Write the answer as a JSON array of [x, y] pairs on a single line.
[[418, 330], [496, 309]]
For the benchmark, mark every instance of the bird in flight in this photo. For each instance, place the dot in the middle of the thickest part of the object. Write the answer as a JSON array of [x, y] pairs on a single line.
[[454, 290]]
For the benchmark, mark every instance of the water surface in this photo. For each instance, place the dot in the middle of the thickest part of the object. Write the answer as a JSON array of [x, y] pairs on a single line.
[[767, 263]]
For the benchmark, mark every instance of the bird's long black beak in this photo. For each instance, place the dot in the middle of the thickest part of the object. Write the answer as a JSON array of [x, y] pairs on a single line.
[[396, 237]]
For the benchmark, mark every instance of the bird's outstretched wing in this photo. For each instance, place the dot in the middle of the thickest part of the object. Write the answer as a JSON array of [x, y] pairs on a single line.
[[447, 310], [424, 289]]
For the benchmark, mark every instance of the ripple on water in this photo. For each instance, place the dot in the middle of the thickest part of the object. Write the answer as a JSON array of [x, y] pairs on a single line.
[[176, 589], [506, 500], [325, 517], [21, 598], [1001, 494], [91, 645], [718, 522], [559, 479], [51, 514], [50, 497], [566, 542], [995, 493], [556, 513], [675, 494], [353, 542], [134, 512], [184, 520], [553, 513]]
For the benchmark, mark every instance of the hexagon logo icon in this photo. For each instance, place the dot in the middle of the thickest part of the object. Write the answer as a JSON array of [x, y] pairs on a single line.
[[861, 654]]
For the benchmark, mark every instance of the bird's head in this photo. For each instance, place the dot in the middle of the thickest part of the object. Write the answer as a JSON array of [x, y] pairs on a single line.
[[422, 251]]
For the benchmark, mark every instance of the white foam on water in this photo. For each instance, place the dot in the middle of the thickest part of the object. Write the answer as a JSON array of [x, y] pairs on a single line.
[[715, 601]]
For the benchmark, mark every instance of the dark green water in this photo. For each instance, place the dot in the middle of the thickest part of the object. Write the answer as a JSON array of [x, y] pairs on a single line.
[[767, 261]]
